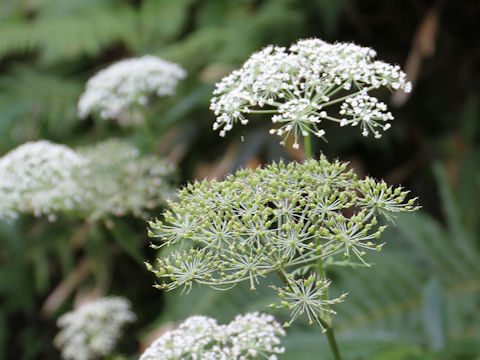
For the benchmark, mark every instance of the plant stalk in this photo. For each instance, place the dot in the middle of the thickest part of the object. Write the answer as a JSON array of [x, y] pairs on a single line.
[[332, 342], [308, 147]]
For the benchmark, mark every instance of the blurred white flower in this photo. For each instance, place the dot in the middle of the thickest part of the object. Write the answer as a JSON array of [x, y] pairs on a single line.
[[109, 178], [250, 336], [93, 329], [39, 178], [128, 84], [120, 180], [295, 86]]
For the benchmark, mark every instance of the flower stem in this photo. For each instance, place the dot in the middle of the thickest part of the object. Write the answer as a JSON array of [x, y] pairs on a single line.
[[273, 111], [327, 324], [332, 341], [282, 276], [308, 147], [321, 272]]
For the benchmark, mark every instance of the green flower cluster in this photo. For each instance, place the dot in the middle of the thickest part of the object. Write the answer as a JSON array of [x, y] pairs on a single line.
[[283, 218]]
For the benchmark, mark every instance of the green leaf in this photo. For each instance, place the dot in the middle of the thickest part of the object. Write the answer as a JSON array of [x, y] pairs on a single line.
[[433, 315]]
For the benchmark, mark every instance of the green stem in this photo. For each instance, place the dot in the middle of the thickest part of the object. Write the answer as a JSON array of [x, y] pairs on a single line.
[[331, 340], [308, 147], [273, 111], [321, 272], [327, 324], [282, 276], [149, 133]]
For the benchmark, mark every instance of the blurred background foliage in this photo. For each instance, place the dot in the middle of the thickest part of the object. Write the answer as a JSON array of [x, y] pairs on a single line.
[[420, 301]]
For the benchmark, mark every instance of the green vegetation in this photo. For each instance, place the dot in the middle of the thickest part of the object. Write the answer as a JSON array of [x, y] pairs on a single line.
[[421, 298]]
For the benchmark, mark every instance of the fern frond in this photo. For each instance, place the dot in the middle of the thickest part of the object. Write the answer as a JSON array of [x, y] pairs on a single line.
[[468, 189], [64, 36], [402, 279], [42, 100], [162, 20], [463, 239]]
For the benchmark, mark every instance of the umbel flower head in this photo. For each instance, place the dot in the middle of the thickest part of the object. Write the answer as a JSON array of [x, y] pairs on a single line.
[[39, 178], [116, 91], [302, 87], [250, 336], [110, 178], [92, 330], [120, 180], [281, 218]]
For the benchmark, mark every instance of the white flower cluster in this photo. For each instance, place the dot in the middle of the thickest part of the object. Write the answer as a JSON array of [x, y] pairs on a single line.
[[117, 90], [110, 178], [367, 111], [296, 85], [39, 178], [93, 329], [250, 336]]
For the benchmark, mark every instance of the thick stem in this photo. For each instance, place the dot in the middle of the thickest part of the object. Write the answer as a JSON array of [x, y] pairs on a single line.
[[149, 133], [282, 276], [321, 272], [327, 325], [308, 147], [332, 341]]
